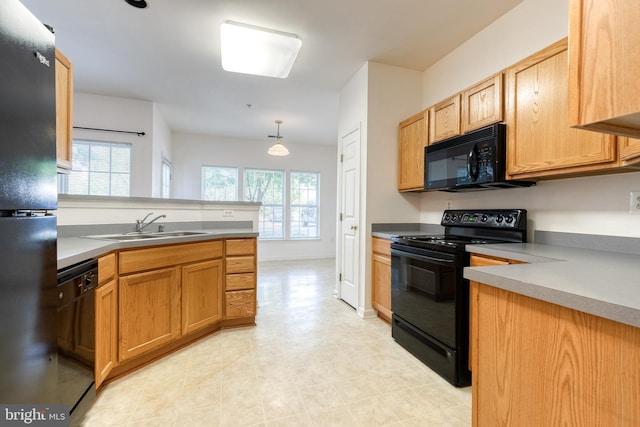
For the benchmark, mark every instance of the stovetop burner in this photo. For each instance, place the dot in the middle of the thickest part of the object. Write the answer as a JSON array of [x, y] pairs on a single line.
[[464, 227]]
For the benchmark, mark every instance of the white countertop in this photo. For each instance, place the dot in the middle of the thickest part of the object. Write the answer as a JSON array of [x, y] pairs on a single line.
[[605, 284]]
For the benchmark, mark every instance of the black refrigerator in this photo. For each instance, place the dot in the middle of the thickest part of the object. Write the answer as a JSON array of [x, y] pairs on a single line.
[[28, 199]]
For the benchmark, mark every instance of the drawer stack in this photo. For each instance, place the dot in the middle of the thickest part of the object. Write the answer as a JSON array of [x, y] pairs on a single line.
[[240, 275]]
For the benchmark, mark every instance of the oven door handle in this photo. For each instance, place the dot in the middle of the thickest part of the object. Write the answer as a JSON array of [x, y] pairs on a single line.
[[418, 257]]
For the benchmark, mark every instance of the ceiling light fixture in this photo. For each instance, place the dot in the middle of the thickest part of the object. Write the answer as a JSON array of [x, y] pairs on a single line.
[[278, 149], [140, 4], [259, 51]]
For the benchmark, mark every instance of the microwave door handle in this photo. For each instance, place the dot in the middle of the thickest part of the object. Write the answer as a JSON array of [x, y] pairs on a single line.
[[472, 163]]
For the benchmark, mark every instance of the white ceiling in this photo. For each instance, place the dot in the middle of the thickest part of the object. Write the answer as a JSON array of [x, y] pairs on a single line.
[[169, 53]]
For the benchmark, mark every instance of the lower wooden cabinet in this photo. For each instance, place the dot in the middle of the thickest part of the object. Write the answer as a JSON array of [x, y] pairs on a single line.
[[151, 300], [381, 277], [240, 284], [202, 284], [106, 312], [149, 311], [536, 363]]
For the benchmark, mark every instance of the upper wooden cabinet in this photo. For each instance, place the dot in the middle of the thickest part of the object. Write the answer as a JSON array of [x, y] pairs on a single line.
[[539, 140], [629, 150], [412, 138], [445, 119], [482, 104], [64, 109], [604, 66]]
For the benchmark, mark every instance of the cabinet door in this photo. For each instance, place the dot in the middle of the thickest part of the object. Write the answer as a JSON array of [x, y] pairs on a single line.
[[201, 295], [445, 119], [149, 311], [381, 279], [64, 108], [483, 104], [629, 150], [539, 139], [412, 138], [604, 66], [106, 330]]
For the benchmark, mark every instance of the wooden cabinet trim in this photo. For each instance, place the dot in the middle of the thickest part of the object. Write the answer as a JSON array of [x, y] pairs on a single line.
[[106, 341], [381, 246]]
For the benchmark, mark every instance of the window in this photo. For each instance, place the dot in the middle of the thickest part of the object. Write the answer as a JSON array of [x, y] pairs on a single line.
[[166, 179], [219, 183], [303, 203], [267, 186], [100, 169]]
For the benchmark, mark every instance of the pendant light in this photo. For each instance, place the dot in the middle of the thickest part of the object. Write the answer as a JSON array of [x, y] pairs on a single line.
[[278, 149]]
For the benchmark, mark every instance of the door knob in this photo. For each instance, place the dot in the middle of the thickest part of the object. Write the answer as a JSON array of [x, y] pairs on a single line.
[[354, 227]]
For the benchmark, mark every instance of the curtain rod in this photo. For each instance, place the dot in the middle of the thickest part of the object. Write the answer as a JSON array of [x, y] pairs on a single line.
[[111, 130]]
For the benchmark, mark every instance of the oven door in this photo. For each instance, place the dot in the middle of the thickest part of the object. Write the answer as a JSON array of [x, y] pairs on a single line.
[[424, 289]]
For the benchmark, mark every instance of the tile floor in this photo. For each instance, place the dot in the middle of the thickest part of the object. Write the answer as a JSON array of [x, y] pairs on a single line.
[[310, 361]]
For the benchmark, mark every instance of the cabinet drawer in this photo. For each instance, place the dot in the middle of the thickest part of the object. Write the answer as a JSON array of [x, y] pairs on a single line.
[[240, 304], [381, 246], [241, 247], [106, 268], [241, 264], [163, 256], [240, 281]]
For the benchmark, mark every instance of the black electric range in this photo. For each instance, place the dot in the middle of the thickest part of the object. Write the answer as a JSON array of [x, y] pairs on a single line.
[[430, 297]]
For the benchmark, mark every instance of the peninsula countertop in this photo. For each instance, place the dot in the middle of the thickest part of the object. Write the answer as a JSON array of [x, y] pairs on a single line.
[[602, 283], [72, 250]]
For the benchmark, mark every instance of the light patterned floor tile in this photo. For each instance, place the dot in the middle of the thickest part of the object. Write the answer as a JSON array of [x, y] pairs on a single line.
[[310, 361]]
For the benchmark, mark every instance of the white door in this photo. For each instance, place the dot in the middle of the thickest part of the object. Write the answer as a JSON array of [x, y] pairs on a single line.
[[350, 211]]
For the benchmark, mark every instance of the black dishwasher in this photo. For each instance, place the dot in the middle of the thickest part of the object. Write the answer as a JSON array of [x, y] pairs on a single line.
[[76, 331]]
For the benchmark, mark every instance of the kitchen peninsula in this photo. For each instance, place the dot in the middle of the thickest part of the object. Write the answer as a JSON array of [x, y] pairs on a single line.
[[168, 285], [555, 335]]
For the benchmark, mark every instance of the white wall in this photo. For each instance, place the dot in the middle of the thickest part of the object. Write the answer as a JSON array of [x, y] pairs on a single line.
[[375, 100], [192, 151], [108, 112], [591, 205]]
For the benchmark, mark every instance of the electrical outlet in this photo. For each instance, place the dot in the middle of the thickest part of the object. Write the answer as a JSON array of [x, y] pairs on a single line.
[[227, 212], [634, 202], [449, 204]]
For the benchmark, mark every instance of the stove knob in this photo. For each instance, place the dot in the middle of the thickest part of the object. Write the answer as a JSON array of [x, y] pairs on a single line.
[[509, 219], [447, 217], [454, 218], [499, 219], [484, 218]]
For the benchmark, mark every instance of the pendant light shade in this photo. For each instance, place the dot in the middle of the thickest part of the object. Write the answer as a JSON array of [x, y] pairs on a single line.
[[278, 149]]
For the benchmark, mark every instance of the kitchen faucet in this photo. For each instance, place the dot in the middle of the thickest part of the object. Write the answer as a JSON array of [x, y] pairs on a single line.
[[140, 224]]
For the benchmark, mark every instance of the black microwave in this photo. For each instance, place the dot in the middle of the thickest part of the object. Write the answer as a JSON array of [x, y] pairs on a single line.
[[473, 161]]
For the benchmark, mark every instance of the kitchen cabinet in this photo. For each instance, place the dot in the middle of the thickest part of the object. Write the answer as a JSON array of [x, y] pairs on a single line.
[[540, 142], [64, 109], [412, 138], [483, 104], [604, 66], [165, 292], [149, 311], [106, 312], [201, 295], [629, 151], [381, 277], [445, 119], [541, 364], [240, 281]]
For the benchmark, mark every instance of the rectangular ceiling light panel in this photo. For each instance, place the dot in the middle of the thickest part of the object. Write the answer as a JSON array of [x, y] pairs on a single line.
[[253, 50]]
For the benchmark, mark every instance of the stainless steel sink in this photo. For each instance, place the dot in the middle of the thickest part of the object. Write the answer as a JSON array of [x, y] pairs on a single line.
[[144, 236]]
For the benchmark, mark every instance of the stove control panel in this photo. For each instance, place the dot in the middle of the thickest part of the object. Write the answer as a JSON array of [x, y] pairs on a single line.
[[495, 218]]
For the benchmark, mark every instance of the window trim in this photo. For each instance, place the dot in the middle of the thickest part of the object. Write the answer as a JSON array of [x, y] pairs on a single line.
[[285, 223], [202, 181], [316, 206]]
